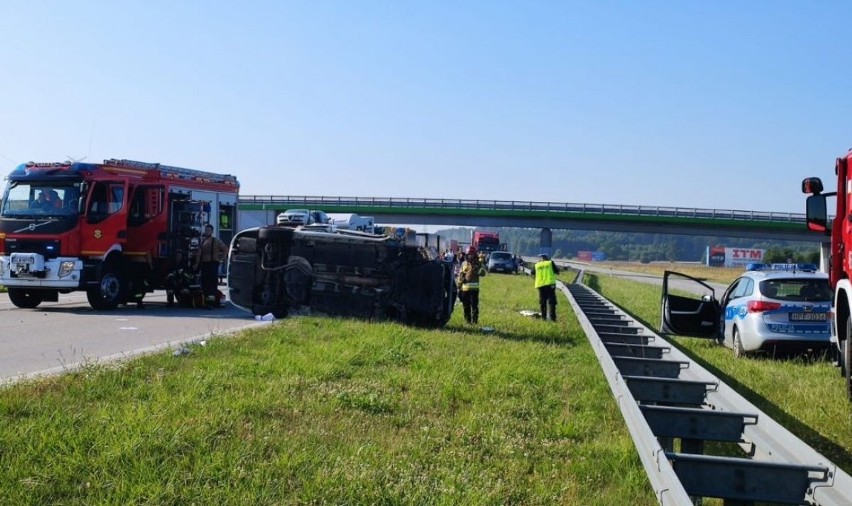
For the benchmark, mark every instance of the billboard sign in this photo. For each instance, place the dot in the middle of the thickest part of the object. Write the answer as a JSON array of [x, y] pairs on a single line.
[[720, 256]]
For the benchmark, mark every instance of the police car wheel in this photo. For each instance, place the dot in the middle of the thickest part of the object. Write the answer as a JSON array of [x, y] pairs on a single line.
[[739, 351]]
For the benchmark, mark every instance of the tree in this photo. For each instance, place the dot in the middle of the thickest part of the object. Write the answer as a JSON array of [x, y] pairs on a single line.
[[613, 251]]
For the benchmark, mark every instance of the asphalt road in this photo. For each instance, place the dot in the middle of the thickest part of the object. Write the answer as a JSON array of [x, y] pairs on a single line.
[[58, 336]]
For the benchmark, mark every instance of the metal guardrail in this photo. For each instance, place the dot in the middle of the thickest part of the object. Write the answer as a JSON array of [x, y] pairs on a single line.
[[665, 397], [512, 205]]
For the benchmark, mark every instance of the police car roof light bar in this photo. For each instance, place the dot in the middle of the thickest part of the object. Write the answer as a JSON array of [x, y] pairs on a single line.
[[782, 267]]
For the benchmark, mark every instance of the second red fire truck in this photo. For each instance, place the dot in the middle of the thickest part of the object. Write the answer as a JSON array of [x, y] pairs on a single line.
[[837, 258], [100, 227]]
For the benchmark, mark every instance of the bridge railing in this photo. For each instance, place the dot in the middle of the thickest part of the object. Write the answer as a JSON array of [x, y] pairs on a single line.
[[513, 205]]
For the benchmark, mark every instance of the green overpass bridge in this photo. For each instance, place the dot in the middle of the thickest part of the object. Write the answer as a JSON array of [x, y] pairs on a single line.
[[259, 210]]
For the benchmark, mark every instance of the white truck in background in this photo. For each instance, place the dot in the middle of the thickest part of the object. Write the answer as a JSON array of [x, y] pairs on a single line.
[[353, 221]]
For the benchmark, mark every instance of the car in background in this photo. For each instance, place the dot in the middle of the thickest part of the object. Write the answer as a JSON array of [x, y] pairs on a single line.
[[501, 261], [770, 308], [294, 217]]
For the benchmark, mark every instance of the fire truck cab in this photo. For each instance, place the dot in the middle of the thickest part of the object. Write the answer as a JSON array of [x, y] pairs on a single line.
[[101, 228], [836, 256]]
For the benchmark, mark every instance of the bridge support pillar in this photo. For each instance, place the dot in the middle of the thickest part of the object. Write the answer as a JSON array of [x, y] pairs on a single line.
[[546, 242]]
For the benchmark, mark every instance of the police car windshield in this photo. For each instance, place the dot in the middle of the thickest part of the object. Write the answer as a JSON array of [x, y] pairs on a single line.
[[797, 289], [37, 199]]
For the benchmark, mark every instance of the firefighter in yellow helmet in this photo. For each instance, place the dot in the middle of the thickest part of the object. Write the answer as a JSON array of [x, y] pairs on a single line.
[[545, 282], [468, 283]]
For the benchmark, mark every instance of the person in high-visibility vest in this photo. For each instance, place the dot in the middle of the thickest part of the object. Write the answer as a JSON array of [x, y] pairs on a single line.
[[468, 283], [545, 282]]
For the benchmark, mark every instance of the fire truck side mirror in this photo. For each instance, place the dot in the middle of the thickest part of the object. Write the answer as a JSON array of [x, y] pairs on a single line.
[[812, 185], [816, 214]]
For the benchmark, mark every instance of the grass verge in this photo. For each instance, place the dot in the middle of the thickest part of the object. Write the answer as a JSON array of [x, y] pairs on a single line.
[[324, 410]]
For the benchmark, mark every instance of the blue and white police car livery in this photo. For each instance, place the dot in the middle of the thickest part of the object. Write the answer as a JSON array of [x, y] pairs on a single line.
[[769, 308]]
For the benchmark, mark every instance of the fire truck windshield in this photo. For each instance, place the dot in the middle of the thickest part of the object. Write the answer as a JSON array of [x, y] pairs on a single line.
[[489, 244], [26, 199]]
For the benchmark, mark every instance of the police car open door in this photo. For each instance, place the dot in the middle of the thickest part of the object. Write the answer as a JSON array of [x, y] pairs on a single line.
[[689, 307]]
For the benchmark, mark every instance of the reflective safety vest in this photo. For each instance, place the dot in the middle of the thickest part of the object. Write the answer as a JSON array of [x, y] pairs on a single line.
[[544, 274]]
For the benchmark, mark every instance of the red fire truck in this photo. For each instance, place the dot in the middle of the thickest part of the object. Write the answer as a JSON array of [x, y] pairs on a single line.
[[837, 260], [100, 227], [485, 241]]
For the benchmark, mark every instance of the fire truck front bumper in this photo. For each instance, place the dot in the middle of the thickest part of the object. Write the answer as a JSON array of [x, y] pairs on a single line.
[[33, 270]]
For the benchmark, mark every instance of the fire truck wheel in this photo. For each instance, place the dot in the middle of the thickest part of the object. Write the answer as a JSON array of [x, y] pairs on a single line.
[[839, 351], [107, 295], [846, 349], [26, 299]]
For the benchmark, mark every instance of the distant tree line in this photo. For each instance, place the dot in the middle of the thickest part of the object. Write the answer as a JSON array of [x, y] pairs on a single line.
[[623, 246]]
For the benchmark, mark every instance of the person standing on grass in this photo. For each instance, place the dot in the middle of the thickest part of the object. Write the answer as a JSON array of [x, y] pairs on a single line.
[[468, 283], [545, 282]]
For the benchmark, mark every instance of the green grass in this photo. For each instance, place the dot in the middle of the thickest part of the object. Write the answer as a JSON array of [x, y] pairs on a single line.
[[805, 395], [334, 411], [723, 275], [316, 410]]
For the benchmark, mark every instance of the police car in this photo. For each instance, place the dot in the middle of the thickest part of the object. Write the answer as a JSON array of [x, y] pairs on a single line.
[[770, 308]]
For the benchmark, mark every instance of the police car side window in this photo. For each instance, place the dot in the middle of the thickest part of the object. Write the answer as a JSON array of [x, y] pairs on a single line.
[[749, 288], [729, 293], [740, 289]]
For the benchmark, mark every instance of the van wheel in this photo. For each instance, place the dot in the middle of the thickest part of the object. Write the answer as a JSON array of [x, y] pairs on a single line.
[[25, 299], [276, 234], [739, 351], [108, 294]]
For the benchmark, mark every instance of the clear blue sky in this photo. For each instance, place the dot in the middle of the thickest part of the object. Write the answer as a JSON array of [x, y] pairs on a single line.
[[712, 104]]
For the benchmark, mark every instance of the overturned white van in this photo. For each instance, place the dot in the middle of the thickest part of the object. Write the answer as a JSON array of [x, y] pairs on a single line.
[[283, 270]]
